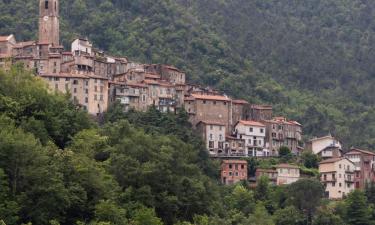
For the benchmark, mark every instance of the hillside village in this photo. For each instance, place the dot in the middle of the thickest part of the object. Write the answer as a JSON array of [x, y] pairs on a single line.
[[232, 129]]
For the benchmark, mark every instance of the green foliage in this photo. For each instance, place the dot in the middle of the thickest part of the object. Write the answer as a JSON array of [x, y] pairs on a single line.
[[262, 189], [285, 154], [289, 216], [305, 195], [310, 160], [358, 212], [327, 217]]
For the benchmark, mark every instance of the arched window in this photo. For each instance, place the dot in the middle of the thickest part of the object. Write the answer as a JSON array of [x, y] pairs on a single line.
[[46, 4]]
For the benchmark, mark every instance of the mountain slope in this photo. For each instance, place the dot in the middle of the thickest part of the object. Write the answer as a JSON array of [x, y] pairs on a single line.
[[311, 60]]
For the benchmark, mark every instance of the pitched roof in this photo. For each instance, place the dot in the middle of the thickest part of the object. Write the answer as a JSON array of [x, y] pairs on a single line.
[[234, 161], [6, 38], [251, 123], [240, 101], [321, 138], [284, 165], [332, 160], [211, 123], [361, 151], [266, 170], [264, 107], [211, 97], [24, 44]]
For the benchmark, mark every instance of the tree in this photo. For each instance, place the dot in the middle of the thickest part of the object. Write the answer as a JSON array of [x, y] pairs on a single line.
[[9, 208], [289, 216], [262, 189], [146, 216], [370, 192], [305, 195], [260, 216], [285, 153], [327, 217], [358, 211], [310, 160], [242, 200]]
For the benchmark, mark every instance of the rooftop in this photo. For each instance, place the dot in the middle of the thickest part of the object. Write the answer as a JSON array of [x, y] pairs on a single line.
[[351, 151], [284, 165], [251, 123], [234, 161], [240, 101], [211, 97]]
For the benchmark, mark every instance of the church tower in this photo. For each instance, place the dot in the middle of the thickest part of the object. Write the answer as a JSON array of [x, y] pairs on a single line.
[[49, 27]]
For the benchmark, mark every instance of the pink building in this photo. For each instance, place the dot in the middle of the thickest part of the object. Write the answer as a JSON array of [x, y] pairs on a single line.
[[233, 171]]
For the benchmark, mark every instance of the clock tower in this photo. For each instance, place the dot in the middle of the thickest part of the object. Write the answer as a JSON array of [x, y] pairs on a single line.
[[49, 27]]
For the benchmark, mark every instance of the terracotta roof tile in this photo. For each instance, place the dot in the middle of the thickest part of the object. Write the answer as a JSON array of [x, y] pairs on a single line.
[[240, 101], [234, 161], [251, 123], [211, 97], [361, 151], [211, 123]]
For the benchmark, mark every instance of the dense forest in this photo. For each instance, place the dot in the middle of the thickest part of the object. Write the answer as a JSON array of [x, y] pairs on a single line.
[[58, 167], [311, 60]]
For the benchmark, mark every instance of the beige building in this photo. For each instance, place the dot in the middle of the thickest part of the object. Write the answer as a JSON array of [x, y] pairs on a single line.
[[214, 135], [87, 90], [326, 147], [287, 174], [337, 175]]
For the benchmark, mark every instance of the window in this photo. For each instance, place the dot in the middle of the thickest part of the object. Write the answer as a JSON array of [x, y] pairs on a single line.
[[214, 102], [75, 82], [55, 63], [86, 100], [230, 166], [204, 102], [242, 166], [230, 173], [251, 129], [236, 174], [339, 184], [211, 136], [340, 166], [96, 88], [211, 144], [86, 91], [87, 83], [57, 79], [67, 79], [262, 130], [46, 4], [75, 90], [220, 137]]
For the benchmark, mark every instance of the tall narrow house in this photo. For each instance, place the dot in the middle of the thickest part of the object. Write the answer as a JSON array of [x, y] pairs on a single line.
[[49, 27]]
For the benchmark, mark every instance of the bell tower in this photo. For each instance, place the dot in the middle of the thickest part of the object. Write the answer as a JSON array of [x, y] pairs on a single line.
[[49, 27]]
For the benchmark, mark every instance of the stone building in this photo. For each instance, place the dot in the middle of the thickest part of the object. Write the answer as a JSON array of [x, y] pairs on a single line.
[[240, 111], [271, 174], [364, 162], [215, 108], [49, 25], [260, 112], [167, 72], [235, 147], [281, 132], [337, 176], [233, 171], [87, 90]]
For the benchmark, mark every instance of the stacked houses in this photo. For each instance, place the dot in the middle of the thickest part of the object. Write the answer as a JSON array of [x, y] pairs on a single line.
[[342, 172], [231, 128]]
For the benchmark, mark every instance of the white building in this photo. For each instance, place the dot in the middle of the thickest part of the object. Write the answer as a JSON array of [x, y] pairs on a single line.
[[337, 175], [317, 145], [287, 174], [214, 135], [254, 134], [81, 46]]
